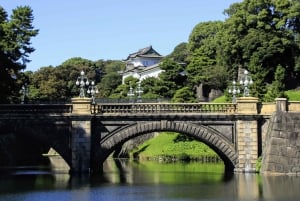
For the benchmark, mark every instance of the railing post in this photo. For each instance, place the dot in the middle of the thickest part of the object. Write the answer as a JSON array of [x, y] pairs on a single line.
[[281, 104], [81, 136], [247, 105], [81, 105], [247, 134]]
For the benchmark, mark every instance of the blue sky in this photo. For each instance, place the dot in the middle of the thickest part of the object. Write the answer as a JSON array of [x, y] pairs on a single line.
[[112, 29]]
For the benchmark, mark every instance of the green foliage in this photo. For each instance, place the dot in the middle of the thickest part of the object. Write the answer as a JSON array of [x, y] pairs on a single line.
[[15, 40], [58, 83], [276, 89], [201, 33], [78, 61], [221, 99], [108, 83], [122, 90], [260, 36], [108, 71], [258, 164], [171, 79], [204, 66], [180, 53], [184, 95], [151, 88]]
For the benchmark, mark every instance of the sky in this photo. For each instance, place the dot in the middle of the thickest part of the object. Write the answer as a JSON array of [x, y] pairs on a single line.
[[112, 29]]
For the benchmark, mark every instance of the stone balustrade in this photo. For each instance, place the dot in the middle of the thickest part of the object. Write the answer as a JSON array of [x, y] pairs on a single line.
[[244, 105], [165, 108]]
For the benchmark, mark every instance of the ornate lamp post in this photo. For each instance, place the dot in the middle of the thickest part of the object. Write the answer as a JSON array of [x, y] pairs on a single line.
[[24, 93], [234, 90], [130, 93], [93, 90], [246, 81], [82, 81], [139, 91]]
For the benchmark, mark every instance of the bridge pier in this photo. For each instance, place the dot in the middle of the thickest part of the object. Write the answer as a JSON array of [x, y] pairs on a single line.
[[247, 134], [81, 136]]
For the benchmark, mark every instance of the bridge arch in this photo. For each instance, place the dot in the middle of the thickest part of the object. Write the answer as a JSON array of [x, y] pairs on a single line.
[[47, 133], [222, 146]]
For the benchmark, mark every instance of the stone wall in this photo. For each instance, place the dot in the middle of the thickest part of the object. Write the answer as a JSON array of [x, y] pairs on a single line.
[[282, 152]]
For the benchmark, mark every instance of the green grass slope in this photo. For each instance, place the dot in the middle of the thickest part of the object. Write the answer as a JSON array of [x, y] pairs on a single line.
[[174, 146]]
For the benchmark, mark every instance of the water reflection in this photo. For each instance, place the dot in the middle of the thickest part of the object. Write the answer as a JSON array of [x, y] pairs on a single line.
[[153, 172], [129, 180]]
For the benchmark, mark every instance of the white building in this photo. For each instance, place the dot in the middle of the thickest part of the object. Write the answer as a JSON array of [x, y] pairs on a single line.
[[142, 64]]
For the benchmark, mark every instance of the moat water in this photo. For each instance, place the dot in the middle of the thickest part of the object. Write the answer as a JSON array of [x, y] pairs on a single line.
[[128, 180]]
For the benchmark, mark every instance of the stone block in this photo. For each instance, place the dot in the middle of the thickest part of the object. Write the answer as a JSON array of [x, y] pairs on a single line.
[[291, 152], [81, 105], [296, 169], [279, 168], [274, 158], [247, 105], [275, 150], [293, 162], [278, 141], [282, 134]]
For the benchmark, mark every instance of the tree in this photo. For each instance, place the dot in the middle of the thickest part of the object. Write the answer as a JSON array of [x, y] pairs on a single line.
[[15, 40], [122, 90], [276, 89], [259, 36], [46, 85], [151, 88], [172, 78], [110, 76], [204, 67], [184, 95], [108, 84], [201, 32], [180, 53]]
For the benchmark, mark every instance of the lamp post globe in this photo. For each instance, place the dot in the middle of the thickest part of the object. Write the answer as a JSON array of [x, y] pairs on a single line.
[[93, 90], [82, 81], [234, 90], [246, 81]]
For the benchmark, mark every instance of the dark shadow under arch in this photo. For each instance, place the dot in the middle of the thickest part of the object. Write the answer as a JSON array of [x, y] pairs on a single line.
[[48, 134], [210, 137]]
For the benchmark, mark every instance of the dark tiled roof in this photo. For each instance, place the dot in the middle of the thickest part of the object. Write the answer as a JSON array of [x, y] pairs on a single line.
[[145, 52]]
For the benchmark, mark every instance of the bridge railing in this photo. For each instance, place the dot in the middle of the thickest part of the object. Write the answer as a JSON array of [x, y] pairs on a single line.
[[35, 108], [164, 108]]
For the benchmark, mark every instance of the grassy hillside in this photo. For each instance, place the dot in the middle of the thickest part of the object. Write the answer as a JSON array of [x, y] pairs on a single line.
[[174, 146], [293, 95]]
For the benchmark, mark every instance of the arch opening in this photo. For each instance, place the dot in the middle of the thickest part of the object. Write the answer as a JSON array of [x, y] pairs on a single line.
[[43, 143], [210, 137]]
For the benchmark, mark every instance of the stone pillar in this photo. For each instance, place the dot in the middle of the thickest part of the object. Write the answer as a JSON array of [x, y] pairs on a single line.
[[81, 106], [247, 105], [281, 104], [247, 134], [81, 136], [247, 147]]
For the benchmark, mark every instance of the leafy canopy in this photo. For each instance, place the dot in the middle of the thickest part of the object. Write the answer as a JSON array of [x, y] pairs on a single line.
[[16, 32]]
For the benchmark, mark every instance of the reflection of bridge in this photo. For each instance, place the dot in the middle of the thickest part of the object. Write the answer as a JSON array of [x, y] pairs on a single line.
[[85, 135]]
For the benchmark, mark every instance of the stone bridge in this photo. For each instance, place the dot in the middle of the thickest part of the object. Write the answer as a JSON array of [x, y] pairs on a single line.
[[85, 135]]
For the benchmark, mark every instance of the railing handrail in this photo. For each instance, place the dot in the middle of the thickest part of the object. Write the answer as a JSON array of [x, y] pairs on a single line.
[[145, 108], [35, 108], [164, 108]]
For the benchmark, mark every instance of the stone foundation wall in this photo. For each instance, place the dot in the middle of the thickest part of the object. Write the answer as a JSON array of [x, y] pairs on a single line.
[[282, 152]]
